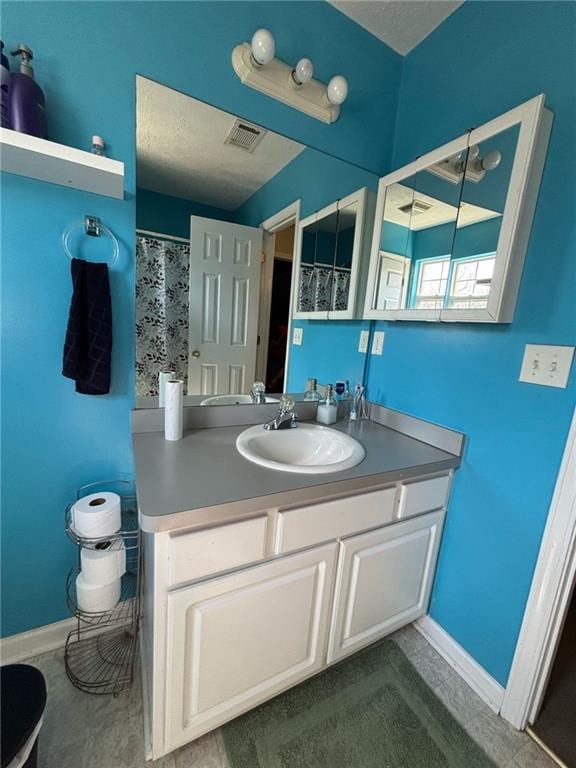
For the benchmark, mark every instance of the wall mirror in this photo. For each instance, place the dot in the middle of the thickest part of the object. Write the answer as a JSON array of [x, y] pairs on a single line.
[[218, 206], [452, 227], [332, 254]]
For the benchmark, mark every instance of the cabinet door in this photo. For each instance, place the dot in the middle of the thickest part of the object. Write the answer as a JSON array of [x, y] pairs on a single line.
[[240, 639], [384, 581]]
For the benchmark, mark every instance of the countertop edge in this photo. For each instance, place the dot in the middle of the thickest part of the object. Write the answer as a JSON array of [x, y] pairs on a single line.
[[228, 511]]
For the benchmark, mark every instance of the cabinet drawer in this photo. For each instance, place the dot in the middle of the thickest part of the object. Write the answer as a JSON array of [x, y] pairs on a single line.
[[200, 553], [423, 496], [305, 526]]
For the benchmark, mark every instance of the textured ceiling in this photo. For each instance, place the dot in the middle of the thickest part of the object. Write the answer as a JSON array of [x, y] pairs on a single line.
[[181, 152], [439, 212], [401, 24]]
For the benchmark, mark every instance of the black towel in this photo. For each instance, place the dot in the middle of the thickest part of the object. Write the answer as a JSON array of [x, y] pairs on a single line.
[[88, 345]]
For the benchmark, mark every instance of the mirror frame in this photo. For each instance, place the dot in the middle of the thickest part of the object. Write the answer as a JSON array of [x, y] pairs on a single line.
[[364, 201], [535, 122]]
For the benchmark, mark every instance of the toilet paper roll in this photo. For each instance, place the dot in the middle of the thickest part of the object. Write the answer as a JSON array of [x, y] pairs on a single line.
[[105, 563], [174, 409], [94, 598], [163, 377], [97, 515]]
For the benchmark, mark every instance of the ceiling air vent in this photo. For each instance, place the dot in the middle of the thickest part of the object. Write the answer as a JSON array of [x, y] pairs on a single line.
[[245, 136], [415, 208]]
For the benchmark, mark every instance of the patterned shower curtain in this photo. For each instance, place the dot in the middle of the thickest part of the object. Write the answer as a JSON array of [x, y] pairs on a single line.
[[162, 284]]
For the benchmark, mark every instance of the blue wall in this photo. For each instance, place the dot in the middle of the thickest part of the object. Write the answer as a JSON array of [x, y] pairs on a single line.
[[54, 439], [171, 215], [466, 376]]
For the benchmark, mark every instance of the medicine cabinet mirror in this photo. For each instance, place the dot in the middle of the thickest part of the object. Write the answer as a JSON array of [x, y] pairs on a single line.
[[219, 205], [451, 228], [332, 257]]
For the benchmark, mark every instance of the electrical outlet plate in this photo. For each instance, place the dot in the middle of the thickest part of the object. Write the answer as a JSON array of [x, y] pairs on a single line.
[[297, 336], [546, 365], [378, 343], [363, 341]]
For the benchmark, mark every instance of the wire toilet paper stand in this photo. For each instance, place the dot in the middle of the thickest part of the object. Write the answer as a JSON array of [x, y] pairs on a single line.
[[100, 653]]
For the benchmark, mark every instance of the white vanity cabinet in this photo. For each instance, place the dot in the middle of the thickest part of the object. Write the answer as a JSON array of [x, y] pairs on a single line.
[[227, 626]]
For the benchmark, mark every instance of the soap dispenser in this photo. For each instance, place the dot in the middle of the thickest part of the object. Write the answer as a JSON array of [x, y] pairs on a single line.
[[327, 412], [26, 104], [312, 390]]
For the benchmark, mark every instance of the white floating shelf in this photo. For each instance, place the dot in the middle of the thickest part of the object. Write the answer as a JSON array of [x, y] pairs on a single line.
[[69, 167]]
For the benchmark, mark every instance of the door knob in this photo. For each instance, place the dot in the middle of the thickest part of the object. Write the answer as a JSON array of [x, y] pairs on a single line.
[[196, 354]]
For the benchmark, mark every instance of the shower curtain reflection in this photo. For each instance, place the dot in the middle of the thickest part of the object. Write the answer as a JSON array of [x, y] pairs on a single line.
[[162, 285]]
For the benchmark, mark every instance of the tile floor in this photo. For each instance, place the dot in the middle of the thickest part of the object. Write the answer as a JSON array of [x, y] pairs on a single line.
[[82, 731]]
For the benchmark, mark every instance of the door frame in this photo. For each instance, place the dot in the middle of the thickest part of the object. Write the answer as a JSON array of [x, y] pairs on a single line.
[[280, 220], [549, 598]]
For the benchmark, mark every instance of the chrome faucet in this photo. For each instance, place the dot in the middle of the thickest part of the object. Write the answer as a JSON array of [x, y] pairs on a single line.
[[257, 393], [285, 418]]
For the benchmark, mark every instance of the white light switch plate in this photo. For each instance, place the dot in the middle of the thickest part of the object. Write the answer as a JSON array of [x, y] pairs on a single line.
[[363, 342], [378, 343], [546, 365], [297, 336]]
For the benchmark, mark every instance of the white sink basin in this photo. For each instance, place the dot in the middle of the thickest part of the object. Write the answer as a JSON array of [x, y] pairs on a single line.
[[233, 400], [308, 449]]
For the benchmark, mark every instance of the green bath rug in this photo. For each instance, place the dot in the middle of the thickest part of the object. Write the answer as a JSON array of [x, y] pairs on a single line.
[[370, 711]]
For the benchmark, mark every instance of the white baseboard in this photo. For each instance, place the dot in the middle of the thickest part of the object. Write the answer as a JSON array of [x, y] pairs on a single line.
[[16, 648], [483, 684]]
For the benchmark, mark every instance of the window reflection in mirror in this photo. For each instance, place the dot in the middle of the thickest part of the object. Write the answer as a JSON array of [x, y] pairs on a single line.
[[440, 230], [433, 225], [484, 192]]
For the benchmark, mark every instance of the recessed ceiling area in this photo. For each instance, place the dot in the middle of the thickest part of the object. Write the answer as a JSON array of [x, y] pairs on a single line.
[[418, 211], [401, 24], [188, 149]]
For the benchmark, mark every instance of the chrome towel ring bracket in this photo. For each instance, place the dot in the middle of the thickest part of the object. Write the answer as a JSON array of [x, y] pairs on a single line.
[[92, 227]]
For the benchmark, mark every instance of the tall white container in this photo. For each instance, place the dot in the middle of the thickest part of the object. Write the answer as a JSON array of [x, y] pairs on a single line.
[[174, 409]]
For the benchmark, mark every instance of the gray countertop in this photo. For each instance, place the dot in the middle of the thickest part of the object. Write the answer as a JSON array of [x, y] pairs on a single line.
[[202, 478]]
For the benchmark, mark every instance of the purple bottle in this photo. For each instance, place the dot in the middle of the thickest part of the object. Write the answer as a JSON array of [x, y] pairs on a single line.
[[4, 83], [26, 104]]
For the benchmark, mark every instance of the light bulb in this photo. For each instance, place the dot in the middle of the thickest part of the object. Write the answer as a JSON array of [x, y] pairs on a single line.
[[263, 46], [491, 161], [473, 152], [337, 90], [457, 161], [303, 71]]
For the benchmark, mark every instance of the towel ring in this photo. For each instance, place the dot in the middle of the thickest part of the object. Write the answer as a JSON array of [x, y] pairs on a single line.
[[92, 227]]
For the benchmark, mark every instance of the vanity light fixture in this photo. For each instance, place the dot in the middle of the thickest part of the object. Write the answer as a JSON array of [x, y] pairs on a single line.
[[453, 167], [257, 67]]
